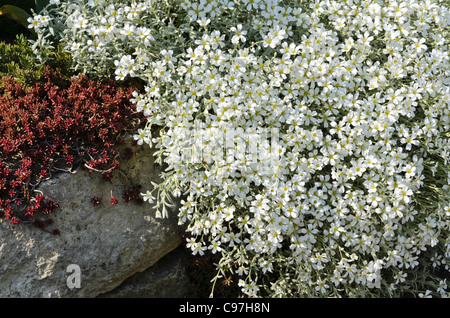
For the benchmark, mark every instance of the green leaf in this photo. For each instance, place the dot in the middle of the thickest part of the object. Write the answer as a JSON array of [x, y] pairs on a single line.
[[16, 14]]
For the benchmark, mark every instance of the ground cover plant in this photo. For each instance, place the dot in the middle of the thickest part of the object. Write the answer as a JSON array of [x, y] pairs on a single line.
[[309, 139], [18, 61], [51, 123]]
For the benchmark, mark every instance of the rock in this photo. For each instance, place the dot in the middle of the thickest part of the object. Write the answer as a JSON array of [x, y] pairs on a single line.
[[166, 279], [108, 243]]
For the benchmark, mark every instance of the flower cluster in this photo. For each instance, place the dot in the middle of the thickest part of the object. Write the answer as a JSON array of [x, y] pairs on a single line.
[[316, 133], [46, 128], [106, 38]]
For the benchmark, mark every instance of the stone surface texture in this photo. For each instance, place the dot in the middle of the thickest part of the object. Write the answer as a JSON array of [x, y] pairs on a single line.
[[109, 243], [166, 279]]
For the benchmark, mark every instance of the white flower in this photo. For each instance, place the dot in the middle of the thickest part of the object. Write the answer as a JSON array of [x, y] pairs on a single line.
[[321, 286], [265, 266], [198, 248], [147, 196], [215, 247], [239, 34], [427, 294], [203, 21], [142, 136], [94, 3], [39, 21]]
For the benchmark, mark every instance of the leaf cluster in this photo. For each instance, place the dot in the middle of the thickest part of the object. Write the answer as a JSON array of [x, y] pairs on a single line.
[[17, 60], [57, 124]]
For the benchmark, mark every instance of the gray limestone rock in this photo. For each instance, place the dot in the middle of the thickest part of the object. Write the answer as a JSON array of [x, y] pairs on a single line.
[[166, 279], [107, 243]]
